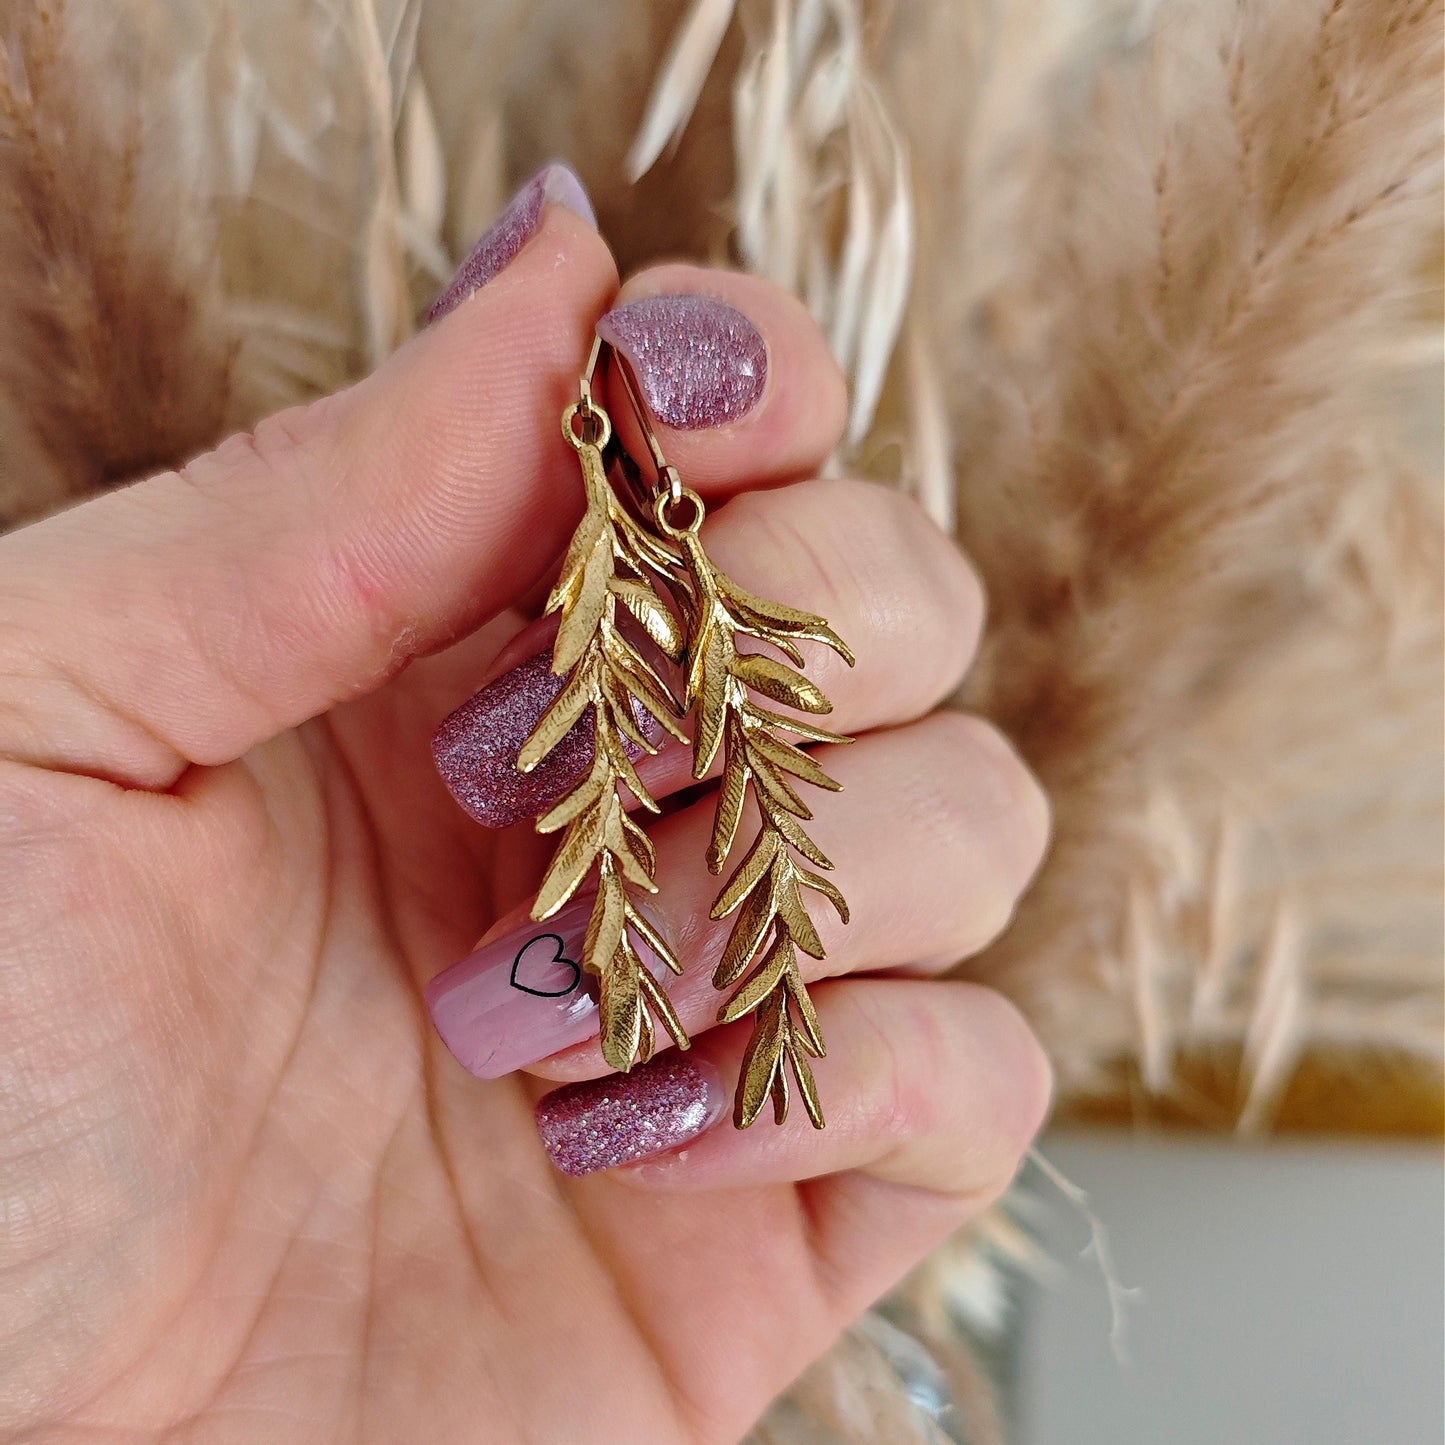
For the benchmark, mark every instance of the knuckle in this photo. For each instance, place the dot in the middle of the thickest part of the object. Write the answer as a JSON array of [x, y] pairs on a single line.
[[914, 600], [921, 1057], [987, 809], [946, 593], [871, 560], [1025, 1103], [271, 447]]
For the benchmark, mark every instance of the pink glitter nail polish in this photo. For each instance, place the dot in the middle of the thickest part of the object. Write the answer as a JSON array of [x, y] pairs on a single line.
[[699, 362], [476, 748], [626, 1117], [512, 230]]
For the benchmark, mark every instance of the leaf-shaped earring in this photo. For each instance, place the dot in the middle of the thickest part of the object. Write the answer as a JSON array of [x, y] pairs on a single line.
[[611, 561], [760, 961]]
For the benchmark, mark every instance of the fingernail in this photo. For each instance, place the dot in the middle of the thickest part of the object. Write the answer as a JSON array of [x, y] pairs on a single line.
[[699, 362], [520, 997], [476, 748], [524, 996], [513, 229], [626, 1117]]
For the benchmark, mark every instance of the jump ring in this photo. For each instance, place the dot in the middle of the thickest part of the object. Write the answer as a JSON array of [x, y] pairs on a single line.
[[665, 504]]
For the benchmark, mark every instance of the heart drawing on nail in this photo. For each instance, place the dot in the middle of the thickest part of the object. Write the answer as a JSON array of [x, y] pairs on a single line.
[[538, 959]]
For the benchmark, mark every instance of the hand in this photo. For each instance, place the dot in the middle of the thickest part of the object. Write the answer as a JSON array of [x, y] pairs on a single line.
[[249, 1195]]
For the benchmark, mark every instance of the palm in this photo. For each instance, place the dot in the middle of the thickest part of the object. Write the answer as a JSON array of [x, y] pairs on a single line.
[[326, 1223]]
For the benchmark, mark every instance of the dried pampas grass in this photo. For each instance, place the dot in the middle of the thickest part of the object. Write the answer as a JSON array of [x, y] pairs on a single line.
[[116, 357], [1172, 276], [1215, 574]]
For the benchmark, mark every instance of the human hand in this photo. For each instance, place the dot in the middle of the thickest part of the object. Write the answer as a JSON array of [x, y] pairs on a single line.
[[248, 1194]]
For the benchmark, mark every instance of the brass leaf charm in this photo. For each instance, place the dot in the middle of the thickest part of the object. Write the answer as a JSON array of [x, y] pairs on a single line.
[[610, 561], [760, 960]]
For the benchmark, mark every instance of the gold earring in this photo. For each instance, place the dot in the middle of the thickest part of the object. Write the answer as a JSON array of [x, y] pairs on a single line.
[[760, 960], [611, 561]]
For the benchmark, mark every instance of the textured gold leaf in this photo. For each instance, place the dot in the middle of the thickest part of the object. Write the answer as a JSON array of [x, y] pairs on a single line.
[[636, 674], [582, 797], [784, 644], [760, 1063], [622, 766], [749, 874], [789, 828], [772, 614], [657, 620], [646, 1036], [807, 1087], [731, 796], [570, 864], [623, 712], [808, 1025], [711, 697], [780, 682], [640, 843], [644, 549], [654, 940], [634, 872], [821, 885], [753, 921], [592, 527], [633, 859], [662, 1007], [789, 904], [792, 760], [777, 623], [607, 924], [763, 980], [702, 628], [796, 726], [770, 781], [780, 1087], [621, 1008], [581, 619], [558, 720]]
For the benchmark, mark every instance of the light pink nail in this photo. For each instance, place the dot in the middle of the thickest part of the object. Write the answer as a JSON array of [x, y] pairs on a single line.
[[603, 1123], [523, 996]]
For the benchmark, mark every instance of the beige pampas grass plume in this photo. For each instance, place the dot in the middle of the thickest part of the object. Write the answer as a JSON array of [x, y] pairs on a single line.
[[1215, 575], [115, 359]]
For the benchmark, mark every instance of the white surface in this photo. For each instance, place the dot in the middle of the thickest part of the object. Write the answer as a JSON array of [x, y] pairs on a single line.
[[1289, 1296]]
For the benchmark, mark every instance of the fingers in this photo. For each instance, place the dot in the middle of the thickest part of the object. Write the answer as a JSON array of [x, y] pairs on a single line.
[[738, 378], [867, 558], [933, 1093], [187, 617], [936, 1085], [935, 837]]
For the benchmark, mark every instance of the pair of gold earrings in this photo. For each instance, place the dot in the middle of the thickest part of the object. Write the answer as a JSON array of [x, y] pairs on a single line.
[[637, 565]]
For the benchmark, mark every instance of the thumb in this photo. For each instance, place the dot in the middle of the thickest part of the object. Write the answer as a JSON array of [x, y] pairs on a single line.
[[189, 616]]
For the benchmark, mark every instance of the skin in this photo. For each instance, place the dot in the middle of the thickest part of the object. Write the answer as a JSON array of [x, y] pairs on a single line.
[[247, 1193]]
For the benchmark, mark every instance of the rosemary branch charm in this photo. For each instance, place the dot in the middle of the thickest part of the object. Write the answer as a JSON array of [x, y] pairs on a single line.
[[760, 960], [610, 562]]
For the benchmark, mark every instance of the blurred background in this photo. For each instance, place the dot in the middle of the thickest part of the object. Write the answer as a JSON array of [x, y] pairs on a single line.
[[1285, 1296]]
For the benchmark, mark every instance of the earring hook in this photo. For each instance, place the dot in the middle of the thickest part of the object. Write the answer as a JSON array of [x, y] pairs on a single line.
[[668, 476]]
